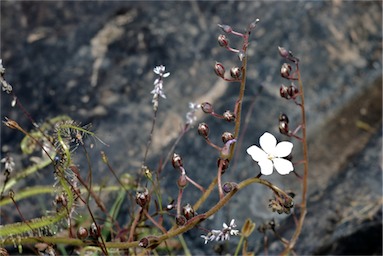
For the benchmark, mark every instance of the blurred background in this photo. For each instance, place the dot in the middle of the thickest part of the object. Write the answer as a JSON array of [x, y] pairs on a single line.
[[93, 61]]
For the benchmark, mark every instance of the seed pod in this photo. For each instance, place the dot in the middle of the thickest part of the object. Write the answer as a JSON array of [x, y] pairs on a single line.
[[285, 70], [207, 108], [181, 220], [228, 187], [292, 91], [229, 116], [219, 69], [94, 230], [223, 41], [82, 233], [283, 92], [284, 127], [143, 198], [235, 72], [203, 130], [182, 182], [226, 136], [188, 211], [177, 161]]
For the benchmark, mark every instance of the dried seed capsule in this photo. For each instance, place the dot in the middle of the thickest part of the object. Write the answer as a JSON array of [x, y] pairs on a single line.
[[177, 161], [94, 230], [188, 211], [235, 72], [285, 70], [226, 136], [203, 130], [229, 116], [229, 186], [283, 92], [207, 108], [292, 91], [143, 198], [223, 41], [181, 220], [219, 69]]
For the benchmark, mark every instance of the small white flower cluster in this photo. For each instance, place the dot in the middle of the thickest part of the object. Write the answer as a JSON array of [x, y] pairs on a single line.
[[9, 164], [223, 234], [4, 84], [191, 116], [158, 85]]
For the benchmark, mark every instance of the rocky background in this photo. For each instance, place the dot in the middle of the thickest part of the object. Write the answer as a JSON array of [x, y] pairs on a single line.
[[93, 61]]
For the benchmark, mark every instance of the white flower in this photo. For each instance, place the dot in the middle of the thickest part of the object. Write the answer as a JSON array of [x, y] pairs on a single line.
[[271, 154], [191, 115], [158, 85]]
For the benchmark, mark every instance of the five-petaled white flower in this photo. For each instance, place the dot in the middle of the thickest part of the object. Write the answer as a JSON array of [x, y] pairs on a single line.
[[271, 155]]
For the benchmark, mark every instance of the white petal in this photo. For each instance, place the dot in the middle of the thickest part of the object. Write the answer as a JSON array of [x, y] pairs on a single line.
[[268, 142], [283, 166], [266, 167], [283, 149], [256, 153], [166, 74]]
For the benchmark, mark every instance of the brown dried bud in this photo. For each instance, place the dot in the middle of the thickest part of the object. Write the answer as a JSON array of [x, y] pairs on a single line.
[[219, 69], [203, 130], [82, 233], [144, 243], [235, 72], [225, 28], [223, 41], [143, 198], [182, 182], [229, 116], [177, 161], [285, 70], [283, 92], [188, 211], [248, 228], [226, 136], [283, 52], [207, 108]]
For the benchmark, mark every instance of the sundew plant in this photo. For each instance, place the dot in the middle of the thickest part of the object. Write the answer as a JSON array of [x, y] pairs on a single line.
[[78, 220]]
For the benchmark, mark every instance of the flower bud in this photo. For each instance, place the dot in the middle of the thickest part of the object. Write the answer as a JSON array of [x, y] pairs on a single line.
[[143, 198], [207, 108], [203, 130], [182, 182], [283, 92], [292, 91], [228, 187], [235, 72], [284, 127], [188, 211], [181, 220], [226, 136], [177, 161], [225, 28], [283, 117], [223, 41], [285, 70], [229, 116], [283, 52], [94, 230], [82, 233], [219, 69]]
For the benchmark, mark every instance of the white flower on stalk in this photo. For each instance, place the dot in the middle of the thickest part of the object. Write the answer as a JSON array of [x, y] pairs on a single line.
[[271, 154], [158, 85]]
